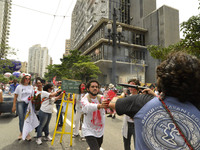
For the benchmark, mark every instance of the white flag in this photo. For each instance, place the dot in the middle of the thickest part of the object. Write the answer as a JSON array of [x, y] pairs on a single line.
[[30, 122]]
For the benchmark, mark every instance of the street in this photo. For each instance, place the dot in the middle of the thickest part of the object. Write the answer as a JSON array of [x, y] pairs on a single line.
[[9, 130]]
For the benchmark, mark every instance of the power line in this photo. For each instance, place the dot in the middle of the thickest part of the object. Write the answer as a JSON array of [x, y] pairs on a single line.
[[61, 25], [35, 10], [52, 23]]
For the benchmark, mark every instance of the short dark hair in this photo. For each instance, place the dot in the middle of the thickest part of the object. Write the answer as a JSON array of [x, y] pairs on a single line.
[[47, 86], [90, 81], [38, 78], [137, 82], [179, 76]]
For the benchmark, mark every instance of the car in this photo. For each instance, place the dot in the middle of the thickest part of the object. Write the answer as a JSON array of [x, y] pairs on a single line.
[[7, 104]]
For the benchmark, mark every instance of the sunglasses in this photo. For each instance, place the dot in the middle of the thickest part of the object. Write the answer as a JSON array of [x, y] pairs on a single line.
[[27, 78]]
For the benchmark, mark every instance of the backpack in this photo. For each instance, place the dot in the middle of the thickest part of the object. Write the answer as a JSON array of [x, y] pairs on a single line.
[[98, 98]]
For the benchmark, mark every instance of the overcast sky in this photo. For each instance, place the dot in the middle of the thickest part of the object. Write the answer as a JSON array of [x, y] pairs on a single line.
[[30, 26]]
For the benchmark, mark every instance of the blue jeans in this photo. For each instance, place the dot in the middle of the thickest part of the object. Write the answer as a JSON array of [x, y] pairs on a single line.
[[21, 110], [44, 123], [60, 122]]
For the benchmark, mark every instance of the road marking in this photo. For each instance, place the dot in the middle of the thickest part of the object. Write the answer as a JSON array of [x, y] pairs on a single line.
[[67, 121]]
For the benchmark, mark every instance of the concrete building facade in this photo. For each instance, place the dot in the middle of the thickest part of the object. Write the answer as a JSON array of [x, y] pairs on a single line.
[[67, 47], [38, 60], [142, 25], [5, 13], [24, 67]]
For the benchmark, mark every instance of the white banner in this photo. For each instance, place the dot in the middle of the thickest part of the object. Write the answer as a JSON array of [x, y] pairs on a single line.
[[30, 122]]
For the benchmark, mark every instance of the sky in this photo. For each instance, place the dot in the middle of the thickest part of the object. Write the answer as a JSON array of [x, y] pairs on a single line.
[[48, 23]]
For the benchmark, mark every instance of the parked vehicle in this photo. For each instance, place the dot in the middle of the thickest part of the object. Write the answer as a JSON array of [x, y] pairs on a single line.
[[7, 104]]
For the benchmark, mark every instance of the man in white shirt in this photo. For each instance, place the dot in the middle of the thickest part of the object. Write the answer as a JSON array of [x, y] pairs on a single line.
[[128, 129], [94, 115]]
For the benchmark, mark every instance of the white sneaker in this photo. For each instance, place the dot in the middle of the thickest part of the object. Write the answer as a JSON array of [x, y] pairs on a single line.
[[39, 141], [48, 138]]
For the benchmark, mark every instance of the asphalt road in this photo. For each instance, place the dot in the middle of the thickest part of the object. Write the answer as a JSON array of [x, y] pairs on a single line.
[[9, 130]]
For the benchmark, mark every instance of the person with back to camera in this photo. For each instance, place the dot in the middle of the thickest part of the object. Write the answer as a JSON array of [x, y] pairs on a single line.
[[172, 120], [79, 112], [93, 107], [21, 95]]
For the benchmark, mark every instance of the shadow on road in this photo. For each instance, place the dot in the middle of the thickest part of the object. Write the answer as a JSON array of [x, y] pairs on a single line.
[[6, 118]]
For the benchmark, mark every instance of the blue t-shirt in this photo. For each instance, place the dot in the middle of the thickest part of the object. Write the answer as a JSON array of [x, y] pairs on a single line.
[[155, 129], [13, 87]]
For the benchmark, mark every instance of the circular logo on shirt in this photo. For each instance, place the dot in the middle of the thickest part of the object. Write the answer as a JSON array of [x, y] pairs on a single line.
[[161, 133]]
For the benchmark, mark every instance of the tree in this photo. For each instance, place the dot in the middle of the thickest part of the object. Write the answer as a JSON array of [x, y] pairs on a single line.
[[53, 70], [3, 79], [191, 32], [74, 66], [190, 43], [5, 51], [85, 70]]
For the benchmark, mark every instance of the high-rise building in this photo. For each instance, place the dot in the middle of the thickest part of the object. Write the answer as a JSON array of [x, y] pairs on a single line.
[[38, 60], [23, 67], [142, 25], [67, 47], [5, 13]]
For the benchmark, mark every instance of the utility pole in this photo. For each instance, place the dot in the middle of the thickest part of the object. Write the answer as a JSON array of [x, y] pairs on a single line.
[[114, 34]]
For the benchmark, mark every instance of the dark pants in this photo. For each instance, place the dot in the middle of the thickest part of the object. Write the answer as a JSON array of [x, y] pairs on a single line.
[[94, 142], [60, 122], [131, 132]]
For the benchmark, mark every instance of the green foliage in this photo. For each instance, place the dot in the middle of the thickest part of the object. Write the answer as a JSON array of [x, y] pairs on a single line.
[[85, 70], [53, 70], [190, 44], [3, 79], [4, 65], [191, 32], [74, 66], [5, 51]]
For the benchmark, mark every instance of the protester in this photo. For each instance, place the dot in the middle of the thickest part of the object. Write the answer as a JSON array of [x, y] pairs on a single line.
[[112, 113], [21, 95], [128, 129], [58, 102], [45, 113], [13, 86], [94, 115], [37, 100], [78, 97], [178, 77]]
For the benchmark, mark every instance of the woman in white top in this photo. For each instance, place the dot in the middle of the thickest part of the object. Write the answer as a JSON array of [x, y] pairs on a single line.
[[79, 112], [21, 98], [48, 98]]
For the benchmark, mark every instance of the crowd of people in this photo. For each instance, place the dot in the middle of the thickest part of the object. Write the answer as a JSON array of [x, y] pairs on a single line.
[[164, 116]]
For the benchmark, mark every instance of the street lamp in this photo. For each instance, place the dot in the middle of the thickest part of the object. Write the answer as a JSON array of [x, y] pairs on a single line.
[[116, 34]]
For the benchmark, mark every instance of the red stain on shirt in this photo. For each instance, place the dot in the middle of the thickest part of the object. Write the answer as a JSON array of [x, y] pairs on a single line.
[[96, 119]]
